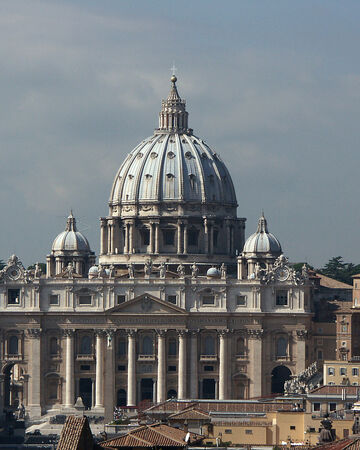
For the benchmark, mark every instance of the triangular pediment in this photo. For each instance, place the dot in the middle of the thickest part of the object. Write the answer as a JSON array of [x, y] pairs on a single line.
[[147, 304]]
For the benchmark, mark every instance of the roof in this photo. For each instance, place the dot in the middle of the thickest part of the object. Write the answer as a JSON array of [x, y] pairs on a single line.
[[331, 283], [191, 413], [262, 241], [76, 434], [151, 436], [256, 406], [340, 445], [335, 390]]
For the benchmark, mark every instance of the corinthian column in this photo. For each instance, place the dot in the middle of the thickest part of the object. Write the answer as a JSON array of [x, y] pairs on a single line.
[[99, 386], [34, 402], [194, 380], [182, 365], [223, 365], [103, 241], [131, 384], [179, 237], [69, 369], [255, 352], [161, 370]]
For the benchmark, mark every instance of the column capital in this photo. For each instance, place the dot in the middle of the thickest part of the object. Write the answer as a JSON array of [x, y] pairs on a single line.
[[34, 333], [194, 333], [301, 335], [68, 332], [223, 333], [100, 333], [131, 332], [161, 333], [255, 334], [182, 333]]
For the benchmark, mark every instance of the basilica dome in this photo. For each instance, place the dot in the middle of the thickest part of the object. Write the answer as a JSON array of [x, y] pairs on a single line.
[[173, 165], [70, 239], [262, 241]]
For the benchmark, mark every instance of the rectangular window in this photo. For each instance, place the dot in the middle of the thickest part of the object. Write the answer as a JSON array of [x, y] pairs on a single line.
[[228, 431], [84, 367], [169, 237], [193, 237], [84, 299], [172, 299], [121, 368], [121, 347], [316, 407], [171, 368], [342, 370], [331, 371], [241, 300], [355, 372], [208, 368], [320, 354], [120, 299], [54, 299], [145, 237], [292, 427], [281, 298], [248, 432], [208, 300], [13, 296], [332, 406]]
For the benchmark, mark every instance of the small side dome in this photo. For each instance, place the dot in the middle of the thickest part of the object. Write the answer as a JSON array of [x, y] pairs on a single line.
[[213, 272], [262, 241], [93, 270], [71, 239]]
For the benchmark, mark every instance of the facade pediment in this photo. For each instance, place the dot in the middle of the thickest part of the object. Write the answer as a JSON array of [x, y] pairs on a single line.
[[147, 304]]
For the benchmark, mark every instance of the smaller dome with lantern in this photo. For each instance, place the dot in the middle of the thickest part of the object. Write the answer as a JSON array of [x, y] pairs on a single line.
[[70, 239], [262, 241]]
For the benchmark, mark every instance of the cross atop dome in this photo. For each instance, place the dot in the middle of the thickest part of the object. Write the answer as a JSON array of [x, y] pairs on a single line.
[[262, 224], [71, 222], [173, 116]]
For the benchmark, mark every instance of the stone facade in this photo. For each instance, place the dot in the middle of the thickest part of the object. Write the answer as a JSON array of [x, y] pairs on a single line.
[[174, 308]]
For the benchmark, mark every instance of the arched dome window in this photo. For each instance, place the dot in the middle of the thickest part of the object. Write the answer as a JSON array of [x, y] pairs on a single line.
[[85, 345], [147, 345], [13, 345], [281, 347], [209, 345]]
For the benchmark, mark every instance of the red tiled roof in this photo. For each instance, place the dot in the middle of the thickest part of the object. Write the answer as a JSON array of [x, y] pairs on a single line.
[[76, 435], [221, 406], [151, 436], [340, 445], [331, 283], [335, 390], [191, 413]]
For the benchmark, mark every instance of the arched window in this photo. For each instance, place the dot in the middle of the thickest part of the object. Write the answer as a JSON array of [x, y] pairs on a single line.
[[147, 345], [53, 346], [281, 347], [240, 346], [121, 397], [172, 347], [85, 345], [13, 345], [209, 345]]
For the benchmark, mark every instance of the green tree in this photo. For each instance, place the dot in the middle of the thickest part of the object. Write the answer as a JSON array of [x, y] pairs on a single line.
[[2, 264], [298, 266], [42, 267], [339, 270]]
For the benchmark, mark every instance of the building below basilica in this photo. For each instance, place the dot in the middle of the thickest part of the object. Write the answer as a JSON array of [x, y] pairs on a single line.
[[180, 305]]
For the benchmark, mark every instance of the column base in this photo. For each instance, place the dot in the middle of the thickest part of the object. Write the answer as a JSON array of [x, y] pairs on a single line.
[[34, 411], [99, 409]]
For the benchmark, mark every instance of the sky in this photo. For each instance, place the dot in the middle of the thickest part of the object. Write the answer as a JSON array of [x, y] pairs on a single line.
[[272, 86]]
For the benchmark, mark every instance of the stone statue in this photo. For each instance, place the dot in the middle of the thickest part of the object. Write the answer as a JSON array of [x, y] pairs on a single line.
[[356, 425], [131, 270], [101, 271], [37, 270], [257, 270], [148, 267], [305, 272], [327, 433], [20, 411], [194, 270], [181, 270], [223, 271], [162, 270], [111, 271]]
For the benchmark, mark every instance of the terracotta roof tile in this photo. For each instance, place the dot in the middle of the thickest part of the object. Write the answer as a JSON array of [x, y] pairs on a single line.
[[76, 434], [191, 413], [150, 436], [335, 390], [331, 283]]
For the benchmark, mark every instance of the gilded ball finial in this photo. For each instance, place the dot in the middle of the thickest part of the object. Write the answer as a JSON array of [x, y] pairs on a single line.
[[173, 79]]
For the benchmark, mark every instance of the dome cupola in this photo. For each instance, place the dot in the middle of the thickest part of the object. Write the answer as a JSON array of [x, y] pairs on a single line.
[[262, 242], [70, 246], [172, 196]]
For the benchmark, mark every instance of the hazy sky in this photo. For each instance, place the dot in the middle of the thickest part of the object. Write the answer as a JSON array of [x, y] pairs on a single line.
[[273, 86]]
